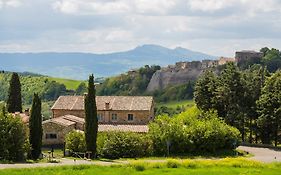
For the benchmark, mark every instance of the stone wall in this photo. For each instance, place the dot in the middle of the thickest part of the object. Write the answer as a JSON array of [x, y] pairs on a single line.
[[140, 117], [62, 112], [53, 128]]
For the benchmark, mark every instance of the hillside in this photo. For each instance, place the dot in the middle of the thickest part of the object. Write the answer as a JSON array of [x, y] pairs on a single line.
[[69, 84], [80, 65], [48, 88]]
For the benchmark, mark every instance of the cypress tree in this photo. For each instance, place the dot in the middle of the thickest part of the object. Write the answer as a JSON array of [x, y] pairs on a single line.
[[35, 127], [14, 102], [91, 120]]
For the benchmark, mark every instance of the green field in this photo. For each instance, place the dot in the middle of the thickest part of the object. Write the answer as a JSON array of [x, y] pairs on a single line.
[[69, 84], [228, 166], [175, 104]]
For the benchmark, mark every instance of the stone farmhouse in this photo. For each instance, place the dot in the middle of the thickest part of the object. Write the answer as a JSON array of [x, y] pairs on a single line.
[[115, 113]]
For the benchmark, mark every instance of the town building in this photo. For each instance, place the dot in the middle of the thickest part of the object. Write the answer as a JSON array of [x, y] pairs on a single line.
[[247, 55], [224, 60]]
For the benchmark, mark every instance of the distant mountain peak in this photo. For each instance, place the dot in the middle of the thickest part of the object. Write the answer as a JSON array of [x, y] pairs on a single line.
[[80, 65]]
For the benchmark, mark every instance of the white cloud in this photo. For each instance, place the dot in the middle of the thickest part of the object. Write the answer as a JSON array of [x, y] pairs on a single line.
[[88, 7], [82, 7], [213, 26], [66, 6], [210, 5], [10, 3], [154, 6]]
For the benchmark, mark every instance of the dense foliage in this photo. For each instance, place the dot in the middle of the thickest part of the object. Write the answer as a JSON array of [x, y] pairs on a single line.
[[133, 83], [175, 93], [269, 108], [12, 137], [75, 141], [192, 131], [35, 127], [234, 94], [114, 145], [14, 102], [47, 90], [91, 119]]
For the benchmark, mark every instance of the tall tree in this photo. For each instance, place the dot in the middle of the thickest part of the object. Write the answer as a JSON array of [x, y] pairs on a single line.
[[253, 81], [14, 102], [35, 127], [269, 103], [91, 120], [230, 95], [205, 88]]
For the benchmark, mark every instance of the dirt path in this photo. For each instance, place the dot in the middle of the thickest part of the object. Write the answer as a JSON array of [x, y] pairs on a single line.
[[263, 154]]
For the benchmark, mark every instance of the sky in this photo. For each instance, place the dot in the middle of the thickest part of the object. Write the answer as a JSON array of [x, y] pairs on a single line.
[[216, 27]]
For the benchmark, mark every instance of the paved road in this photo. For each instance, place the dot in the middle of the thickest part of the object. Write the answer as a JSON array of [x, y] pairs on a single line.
[[263, 154]]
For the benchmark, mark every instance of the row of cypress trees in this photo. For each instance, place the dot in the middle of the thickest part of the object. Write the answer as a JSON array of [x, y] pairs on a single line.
[[14, 104]]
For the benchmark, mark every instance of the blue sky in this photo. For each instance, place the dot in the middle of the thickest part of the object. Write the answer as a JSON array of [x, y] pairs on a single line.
[[217, 27]]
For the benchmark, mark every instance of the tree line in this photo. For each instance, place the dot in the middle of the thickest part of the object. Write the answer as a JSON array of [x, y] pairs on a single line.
[[250, 100]]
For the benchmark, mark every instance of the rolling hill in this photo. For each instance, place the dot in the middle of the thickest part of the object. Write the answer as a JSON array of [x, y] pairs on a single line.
[[80, 65]]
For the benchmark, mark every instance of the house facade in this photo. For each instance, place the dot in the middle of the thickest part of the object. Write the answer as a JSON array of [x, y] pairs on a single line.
[[115, 113], [110, 109]]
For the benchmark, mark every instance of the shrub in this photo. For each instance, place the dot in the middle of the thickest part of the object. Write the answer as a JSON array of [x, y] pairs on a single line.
[[192, 131], [12, 137], [123, 145], [75, 141]]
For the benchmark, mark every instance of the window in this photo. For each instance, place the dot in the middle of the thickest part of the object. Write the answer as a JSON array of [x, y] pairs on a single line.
[[130, 117], [51, 136], [100, 117], [114, 117]]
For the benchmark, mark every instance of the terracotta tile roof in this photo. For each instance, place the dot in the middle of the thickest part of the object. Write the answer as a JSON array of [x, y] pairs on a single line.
[[123, 128], [60, 121], [69, 120], [23, 116], [127, 103], [73, 119]]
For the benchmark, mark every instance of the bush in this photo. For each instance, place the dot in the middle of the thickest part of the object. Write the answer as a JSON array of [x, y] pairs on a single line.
[[75, 141], [12, 137], [192, 131], [114, 145]]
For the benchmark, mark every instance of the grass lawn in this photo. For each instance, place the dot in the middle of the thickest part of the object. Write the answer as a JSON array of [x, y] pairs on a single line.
[[69, 84], [228, 166], [175, 104]]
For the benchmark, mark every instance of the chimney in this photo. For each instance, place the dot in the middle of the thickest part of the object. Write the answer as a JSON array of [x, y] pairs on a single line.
[[106, 105]]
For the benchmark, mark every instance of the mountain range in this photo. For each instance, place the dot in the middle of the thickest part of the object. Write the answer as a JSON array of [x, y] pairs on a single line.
[[80, 65]]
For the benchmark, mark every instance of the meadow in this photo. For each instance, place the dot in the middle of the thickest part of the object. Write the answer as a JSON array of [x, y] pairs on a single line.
[[69, 84], [228, 166], [175, 104]]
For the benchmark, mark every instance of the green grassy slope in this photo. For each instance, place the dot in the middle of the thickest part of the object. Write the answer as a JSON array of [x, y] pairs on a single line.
[[175, 104], [69, 84]]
